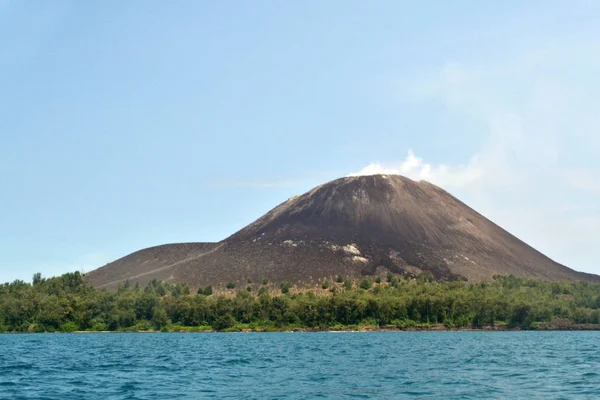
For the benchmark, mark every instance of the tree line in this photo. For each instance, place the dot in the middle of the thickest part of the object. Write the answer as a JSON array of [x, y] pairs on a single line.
[[67, 303]]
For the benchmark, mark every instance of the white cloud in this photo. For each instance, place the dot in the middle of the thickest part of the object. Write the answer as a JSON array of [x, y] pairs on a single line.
[[449, 176], [536, 171]]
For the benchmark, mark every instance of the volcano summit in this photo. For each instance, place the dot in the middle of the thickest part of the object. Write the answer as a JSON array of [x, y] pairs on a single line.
[[351, 226]]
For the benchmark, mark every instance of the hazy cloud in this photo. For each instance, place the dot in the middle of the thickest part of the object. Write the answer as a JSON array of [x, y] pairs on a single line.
[[449, 176], [538, 147], [84, 263]]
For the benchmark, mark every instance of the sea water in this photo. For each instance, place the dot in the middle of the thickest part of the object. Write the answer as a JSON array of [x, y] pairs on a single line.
[[428, 365]]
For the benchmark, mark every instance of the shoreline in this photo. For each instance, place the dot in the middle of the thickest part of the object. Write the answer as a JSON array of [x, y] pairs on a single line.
[[363, 329]]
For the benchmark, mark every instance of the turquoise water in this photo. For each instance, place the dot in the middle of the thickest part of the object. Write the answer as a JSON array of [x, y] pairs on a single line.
[[466, 365]]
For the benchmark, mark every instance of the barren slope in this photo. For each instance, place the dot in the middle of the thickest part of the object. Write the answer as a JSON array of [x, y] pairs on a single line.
[[351, 226]]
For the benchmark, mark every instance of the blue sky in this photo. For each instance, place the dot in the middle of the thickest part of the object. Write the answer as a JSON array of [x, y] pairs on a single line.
[[127, 124]]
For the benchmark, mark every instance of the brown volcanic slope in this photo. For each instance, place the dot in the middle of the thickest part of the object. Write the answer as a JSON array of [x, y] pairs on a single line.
[[351, 226]]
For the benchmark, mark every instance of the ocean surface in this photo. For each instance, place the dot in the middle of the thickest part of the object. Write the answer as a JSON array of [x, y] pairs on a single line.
[[386, 365]]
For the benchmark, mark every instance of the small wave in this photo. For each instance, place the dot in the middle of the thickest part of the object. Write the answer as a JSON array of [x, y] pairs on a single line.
[[590, 374], [237, 361]]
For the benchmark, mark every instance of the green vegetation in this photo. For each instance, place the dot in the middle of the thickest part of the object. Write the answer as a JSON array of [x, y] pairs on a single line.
[[366, 283], [263, 291], [285, 287], [207, 291], [67, 304], [388, 277]]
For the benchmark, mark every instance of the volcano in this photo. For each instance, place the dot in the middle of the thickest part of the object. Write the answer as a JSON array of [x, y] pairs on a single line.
[[354, 226]]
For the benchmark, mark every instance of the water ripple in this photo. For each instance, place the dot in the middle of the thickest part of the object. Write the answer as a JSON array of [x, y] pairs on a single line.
[[387, 365]]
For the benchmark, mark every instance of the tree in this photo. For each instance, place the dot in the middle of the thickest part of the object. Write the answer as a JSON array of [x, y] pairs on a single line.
[[37, 278], [180, 289], [68, 303], [160, 318]]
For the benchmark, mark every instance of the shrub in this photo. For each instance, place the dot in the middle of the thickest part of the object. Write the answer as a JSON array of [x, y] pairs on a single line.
[[339, 279], [348, 284], [230, 285], [248, 288], [389, 276], [223, 322], [265, 281], [263, 291], [98, 325], [143, 326], [285, 287], [325, 284], [38, 328], [207, 291], [366, 284], [425, 277], [249, 280], [69, 327], [378, 280]]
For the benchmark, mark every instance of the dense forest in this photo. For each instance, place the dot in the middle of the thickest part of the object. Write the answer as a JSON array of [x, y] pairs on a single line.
[[68, 303]]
